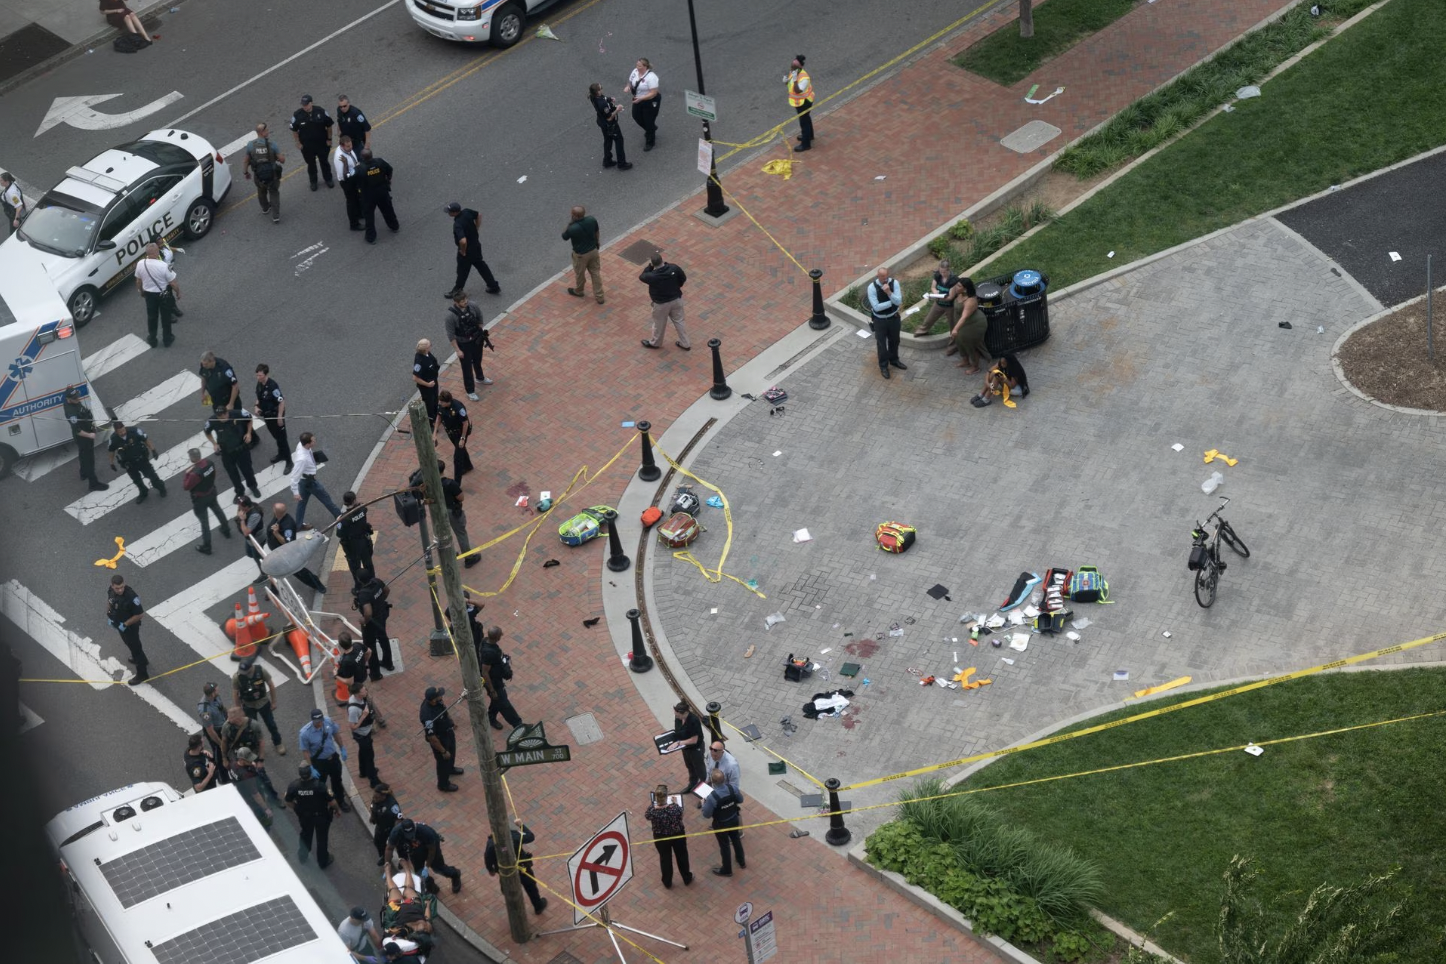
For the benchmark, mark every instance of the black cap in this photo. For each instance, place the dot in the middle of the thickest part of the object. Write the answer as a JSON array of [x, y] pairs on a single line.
[[317, 714], [73, 392], [358, 913], [304, 771], [453, 208], [435, 691], [248, 662], [305, 99], [408, 827]]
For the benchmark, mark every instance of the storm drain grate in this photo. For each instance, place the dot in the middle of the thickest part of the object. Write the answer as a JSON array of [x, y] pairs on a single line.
[[639, 252]]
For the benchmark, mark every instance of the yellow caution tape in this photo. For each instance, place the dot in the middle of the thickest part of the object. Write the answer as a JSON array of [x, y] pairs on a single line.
[[771, 752], [1150, 714], [169, 672], [715, 574], [120, 545], [1152, 690]]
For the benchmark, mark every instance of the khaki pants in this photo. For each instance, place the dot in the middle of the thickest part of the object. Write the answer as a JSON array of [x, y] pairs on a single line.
[[935, 310], [591, 263], [664, 313]]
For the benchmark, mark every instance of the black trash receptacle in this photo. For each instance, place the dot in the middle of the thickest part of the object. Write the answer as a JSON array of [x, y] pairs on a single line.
[[1021, 319]]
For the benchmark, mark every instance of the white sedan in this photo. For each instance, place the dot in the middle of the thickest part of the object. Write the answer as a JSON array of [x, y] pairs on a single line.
[[90, 229]]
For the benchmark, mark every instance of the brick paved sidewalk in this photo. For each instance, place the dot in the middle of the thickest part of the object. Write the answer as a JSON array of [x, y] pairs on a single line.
[[569, 372]]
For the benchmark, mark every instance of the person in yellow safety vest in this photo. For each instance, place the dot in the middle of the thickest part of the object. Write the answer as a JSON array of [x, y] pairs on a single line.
[[800, 98]]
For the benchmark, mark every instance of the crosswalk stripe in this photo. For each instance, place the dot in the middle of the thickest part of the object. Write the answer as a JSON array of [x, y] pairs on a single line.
[[106, 360], [184, 615], [44, 625], [148, 403], [169, 463], [186, 529], [29, 719]]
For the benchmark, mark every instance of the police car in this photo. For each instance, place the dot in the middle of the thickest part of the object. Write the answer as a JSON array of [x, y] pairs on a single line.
[[90, 229], [498, 22]]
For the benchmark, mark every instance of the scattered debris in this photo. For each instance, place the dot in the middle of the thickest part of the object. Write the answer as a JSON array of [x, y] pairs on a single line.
[[1214, 454], [1029, 97], [1245, 93], [1007, 660], [749, 654], [1178, 447], [798, 833], [1166, 634], [1212, 483], [1121, 675], [1286, 325], [716, 501], [630, 424], [778, 453], [802, 535], [938, 591], [895, 630], [1072, 637], [544, 32], [962, 678], [772, 620], [1254, 750], [1019, 641], [1395, 256], [826, 704]]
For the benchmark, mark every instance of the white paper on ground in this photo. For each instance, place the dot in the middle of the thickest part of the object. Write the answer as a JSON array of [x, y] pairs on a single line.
[[1081, 623], [1072, 637], [1031, 611], [1016, 618], [994, 622], [778, 453], [1395, 256], [864, 334], [1254, 750], [1178, 447], [802, 536], [1019, 641], [1121, 675], [1007, 660]]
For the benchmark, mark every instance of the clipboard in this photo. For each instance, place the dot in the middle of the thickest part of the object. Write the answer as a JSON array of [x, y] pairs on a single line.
[[663, 741]]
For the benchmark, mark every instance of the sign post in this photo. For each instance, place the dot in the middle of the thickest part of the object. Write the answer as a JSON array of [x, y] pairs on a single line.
[[597, 872], [759, 936]]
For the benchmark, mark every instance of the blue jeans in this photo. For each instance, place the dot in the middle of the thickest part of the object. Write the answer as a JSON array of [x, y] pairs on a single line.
[[309, 487]]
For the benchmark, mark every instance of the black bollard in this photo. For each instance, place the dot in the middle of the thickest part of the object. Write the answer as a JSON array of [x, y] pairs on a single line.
[[714, 708], [838, 834], [617, 561], [819, 321], [720, 388], [641, 662], [649, 472]]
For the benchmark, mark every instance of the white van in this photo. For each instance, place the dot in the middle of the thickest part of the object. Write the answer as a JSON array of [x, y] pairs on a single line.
[[160, 878], [41, 354]]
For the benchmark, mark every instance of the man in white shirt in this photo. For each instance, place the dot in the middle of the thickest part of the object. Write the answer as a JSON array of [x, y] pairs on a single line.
[[354, 932], [12, 201], [303, 480], [647, 99], [344, 165], [723, 760], [153, 277]]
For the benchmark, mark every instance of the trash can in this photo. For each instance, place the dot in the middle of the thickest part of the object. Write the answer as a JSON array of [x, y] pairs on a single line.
[[1019, 318]]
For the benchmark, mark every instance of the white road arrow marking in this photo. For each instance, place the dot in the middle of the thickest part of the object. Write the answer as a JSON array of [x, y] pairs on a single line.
[[80, 112]]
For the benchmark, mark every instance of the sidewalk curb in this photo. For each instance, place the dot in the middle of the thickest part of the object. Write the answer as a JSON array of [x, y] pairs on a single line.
[[78, 50], [1346, 383]]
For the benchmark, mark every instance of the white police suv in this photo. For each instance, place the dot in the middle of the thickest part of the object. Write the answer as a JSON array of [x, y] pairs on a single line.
[[498, 22], [90, 229]]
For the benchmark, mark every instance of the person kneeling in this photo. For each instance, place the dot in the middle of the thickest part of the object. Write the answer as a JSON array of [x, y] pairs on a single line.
[[1004, 377]]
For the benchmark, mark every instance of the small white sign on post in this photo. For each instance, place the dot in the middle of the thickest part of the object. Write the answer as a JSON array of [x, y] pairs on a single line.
[[700, 105], [705, 157], [762, 939], [745, 911]]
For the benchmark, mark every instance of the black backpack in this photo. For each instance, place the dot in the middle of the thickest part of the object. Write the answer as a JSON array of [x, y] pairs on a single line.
[[264, 165], [129, 43]]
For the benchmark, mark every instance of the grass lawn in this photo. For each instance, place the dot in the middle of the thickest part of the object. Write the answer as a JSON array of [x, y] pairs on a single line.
[[1365, 100], [1332, 809], [1006, 58]]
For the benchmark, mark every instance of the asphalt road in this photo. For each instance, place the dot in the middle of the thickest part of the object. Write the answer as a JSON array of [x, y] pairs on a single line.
[[338, 331], [1359, 227]]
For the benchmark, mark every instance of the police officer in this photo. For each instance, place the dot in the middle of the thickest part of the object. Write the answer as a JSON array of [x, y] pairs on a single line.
[[251, 524], [253, 690], [200, 481], [425, 369], [361, 716], [421, 846], [219, 385], [212, 713], [376, 186], [314, 808], [441, 736], [457, 516], [282, 530], [354, 533], [135, 451], [465, 225], [351, 122], [347, 167], [271, 406], [524, 864], [371, 601], [452, 417], [82, 429], [123, 611], [496, 669], [312, 127], [465, 332], [229, 432], [320, 743], [201, 765]]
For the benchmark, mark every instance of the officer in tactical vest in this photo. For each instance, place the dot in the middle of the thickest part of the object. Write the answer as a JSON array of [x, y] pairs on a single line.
[[376, 194], [229, 432], [354, 533], [135, 452], [314, 809], [82, 429], [465, 332]]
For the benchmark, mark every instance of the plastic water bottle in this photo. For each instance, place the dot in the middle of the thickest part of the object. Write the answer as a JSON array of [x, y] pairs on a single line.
[[1212, 483]]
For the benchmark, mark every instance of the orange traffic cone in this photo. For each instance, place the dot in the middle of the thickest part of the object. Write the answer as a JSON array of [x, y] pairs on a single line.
[[252, 606], [229, 627], [301, 646], [245, 637]]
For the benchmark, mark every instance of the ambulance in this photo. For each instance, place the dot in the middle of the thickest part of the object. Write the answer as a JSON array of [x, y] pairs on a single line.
[[40, 355]]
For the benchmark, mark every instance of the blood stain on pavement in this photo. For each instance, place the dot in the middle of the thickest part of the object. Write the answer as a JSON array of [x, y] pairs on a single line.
[[863, 648]]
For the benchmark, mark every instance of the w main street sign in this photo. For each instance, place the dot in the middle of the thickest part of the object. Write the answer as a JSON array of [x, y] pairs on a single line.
[[526, 745]]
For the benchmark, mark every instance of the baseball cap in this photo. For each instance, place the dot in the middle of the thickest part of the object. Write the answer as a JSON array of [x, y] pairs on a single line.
[[249, 661], [409, 827], [306, 98], [247, 754], [453, 208], [358, 913], [73, 392], [435, 691], [317, 714], [209, 688]]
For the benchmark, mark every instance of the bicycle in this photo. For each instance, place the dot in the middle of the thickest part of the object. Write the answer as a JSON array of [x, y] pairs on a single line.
[[1205, 554]]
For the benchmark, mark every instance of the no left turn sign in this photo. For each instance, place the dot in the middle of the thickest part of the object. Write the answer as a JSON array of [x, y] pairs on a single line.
[[599, 868]]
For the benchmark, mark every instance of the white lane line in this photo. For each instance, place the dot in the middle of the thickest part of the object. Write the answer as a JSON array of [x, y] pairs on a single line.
[[143, 406], [184, 615], [186, 529], [114, 355], [172, 462], [277, 66], [44, 625], [28, 718], [235, 146]]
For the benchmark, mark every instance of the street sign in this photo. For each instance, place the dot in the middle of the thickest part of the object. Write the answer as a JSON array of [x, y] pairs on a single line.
[[599, 868], [527, 744], [762, 941], [700, 105], [705, 157], [745, 911]]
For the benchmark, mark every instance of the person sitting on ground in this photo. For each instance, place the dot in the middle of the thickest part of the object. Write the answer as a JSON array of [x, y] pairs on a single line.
[[120, 16], [1004, 376]]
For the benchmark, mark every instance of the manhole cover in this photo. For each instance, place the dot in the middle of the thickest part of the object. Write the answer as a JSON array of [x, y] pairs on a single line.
[[641, 252], [1030, 137], [585, 729]]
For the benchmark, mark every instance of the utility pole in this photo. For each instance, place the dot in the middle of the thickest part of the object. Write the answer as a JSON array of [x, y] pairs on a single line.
[[471, 676]]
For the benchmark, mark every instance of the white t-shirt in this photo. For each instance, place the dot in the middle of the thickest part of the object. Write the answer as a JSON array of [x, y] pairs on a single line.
[[354, 934], [155, 275], [642, 83], [14, 198]]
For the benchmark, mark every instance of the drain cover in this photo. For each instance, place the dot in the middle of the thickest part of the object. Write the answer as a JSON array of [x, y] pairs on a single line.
[[639, 252]]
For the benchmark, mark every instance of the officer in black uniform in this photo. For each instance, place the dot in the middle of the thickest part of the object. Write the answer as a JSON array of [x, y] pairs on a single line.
[[201, 765], [135, 452], [425, 369], [271, 405], [219, 385], [314, 808], [421, 846], [441, 736], [465, 223], [282, 530], [123, 611], [371, 601], [312, 127], [351, 122], [354, 533], [229, 432], [524, 864], [376, 187], [82, 429], [452, 417], [251, 522]]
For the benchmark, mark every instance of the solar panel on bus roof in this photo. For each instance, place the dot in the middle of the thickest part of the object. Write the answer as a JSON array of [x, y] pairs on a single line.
[[179, 860], [248, 935]]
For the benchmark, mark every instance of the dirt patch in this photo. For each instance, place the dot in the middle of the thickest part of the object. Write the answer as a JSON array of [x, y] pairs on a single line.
[[1388, 361]]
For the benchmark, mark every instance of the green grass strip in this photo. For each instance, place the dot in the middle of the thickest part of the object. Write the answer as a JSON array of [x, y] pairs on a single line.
[[1364, 101], [1006, 58], [1322, 810]]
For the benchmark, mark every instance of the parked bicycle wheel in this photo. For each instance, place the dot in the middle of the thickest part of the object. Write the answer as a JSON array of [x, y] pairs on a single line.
[[1206, 579], [1232, 540]]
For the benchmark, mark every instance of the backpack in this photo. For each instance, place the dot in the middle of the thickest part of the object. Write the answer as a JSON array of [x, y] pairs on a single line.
[[684, 500], [679, 531], [652, 515], [264, 166], [583, 527], [1056, 589], [1051, 622], [129, 43], [895, 536], [1088, 585]]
